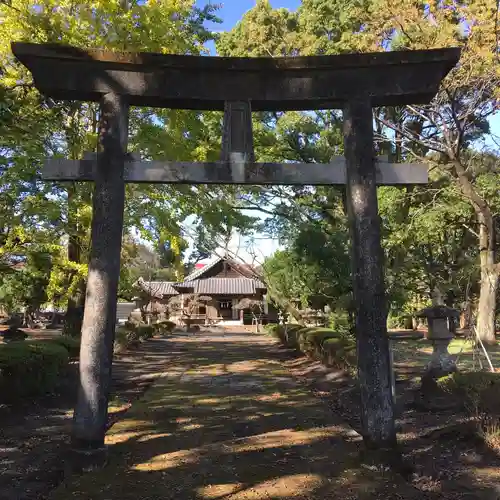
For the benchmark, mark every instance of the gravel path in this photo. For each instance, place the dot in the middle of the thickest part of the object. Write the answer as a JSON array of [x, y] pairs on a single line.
[[229, 421]]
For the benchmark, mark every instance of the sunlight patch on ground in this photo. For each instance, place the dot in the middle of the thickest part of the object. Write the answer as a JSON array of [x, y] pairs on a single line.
[[280, 439], [208, 401], [120, 437], [168, 461], [293, 486], [150, 437], [216, 491], [486, 473], [271, 397]]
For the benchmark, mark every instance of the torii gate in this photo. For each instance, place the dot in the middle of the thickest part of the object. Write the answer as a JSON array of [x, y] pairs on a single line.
[[352, 82]]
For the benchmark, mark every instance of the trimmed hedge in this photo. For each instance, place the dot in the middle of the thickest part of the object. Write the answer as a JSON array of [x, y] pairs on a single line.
[[71, 344], [330, 347], [145, 332], [164, 327], [130, 336], [30, 368]]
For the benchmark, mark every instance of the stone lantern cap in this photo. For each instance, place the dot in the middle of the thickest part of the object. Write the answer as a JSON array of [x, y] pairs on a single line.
[[436, 312]]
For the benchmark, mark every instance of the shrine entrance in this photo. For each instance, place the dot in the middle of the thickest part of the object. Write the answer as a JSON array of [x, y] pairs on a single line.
[[353, 82]]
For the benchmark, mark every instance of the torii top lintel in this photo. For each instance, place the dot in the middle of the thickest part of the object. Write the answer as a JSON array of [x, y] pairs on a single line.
[[205, 83]]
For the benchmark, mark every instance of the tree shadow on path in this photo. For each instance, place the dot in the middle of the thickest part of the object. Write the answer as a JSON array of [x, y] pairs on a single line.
[[228, 421]]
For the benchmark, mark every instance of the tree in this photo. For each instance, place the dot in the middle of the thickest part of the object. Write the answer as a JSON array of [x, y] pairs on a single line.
[[24, 286], [33, 128], [256, 308], [187, 305], [446, 132]]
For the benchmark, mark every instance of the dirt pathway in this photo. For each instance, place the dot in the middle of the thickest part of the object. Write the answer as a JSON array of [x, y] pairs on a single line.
[[229, 421], [34, 435]]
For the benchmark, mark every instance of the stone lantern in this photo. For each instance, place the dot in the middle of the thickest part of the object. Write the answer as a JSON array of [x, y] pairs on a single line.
[[441, 328]]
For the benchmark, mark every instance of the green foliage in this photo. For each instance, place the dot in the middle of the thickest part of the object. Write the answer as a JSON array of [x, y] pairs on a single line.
[[30, 368], [430, 233], [145, 332], [480, 391], [340, 322], [71, 344], [33, 128], [164, 327], [132, 334], [311, 340], [271, 328], [480, 394], [26, 286], [123, 340]]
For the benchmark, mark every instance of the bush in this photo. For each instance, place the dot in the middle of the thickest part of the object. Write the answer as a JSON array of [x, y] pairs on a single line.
[[164, 327], [145, 332], [290, 334], [31, 368], [339, 321], [340, 353], [480, 391], [311, 340], [71, 344], [130, 336], [122, 340], [332, 348], [271, 328]]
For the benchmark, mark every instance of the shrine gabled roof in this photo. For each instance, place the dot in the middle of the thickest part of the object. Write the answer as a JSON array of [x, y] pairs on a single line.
[[271, 84], [200, 272]]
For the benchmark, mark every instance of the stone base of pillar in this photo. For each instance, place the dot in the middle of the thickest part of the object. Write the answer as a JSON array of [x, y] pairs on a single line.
[[441, 363], [430, 396]]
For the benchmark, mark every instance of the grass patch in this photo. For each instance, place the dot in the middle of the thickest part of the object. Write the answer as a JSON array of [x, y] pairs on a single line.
[[71, 344], [416, 353], [480, 394]]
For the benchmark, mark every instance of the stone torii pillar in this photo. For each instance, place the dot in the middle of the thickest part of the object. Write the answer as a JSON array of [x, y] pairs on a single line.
[[99, 318], [374, 366], [352, 82]]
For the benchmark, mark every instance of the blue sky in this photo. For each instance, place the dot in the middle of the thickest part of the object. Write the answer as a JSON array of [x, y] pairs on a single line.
[[232, 11]]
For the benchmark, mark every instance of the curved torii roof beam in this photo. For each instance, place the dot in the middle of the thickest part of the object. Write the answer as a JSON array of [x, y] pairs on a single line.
[[206, 83]]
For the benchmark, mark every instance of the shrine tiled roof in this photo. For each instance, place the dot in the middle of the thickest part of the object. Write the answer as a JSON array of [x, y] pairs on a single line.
[[158, 289]]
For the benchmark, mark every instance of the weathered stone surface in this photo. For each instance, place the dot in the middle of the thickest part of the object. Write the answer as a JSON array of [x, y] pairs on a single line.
[[237, 136], [236, 172], [99, 318], [374, 368], [194, 82]]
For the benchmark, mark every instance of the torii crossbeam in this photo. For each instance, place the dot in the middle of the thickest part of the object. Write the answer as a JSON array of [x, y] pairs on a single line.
[[352, 82]]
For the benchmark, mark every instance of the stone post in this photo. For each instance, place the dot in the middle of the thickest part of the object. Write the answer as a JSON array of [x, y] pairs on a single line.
[[431, 396], [237, 135], [98, 330], [374, 371], [440, 332]]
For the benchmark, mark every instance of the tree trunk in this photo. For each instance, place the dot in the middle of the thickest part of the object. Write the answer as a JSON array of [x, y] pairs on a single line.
[[374, 367], [488, 286], [489, 270], [73, 318], [74, 309]]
